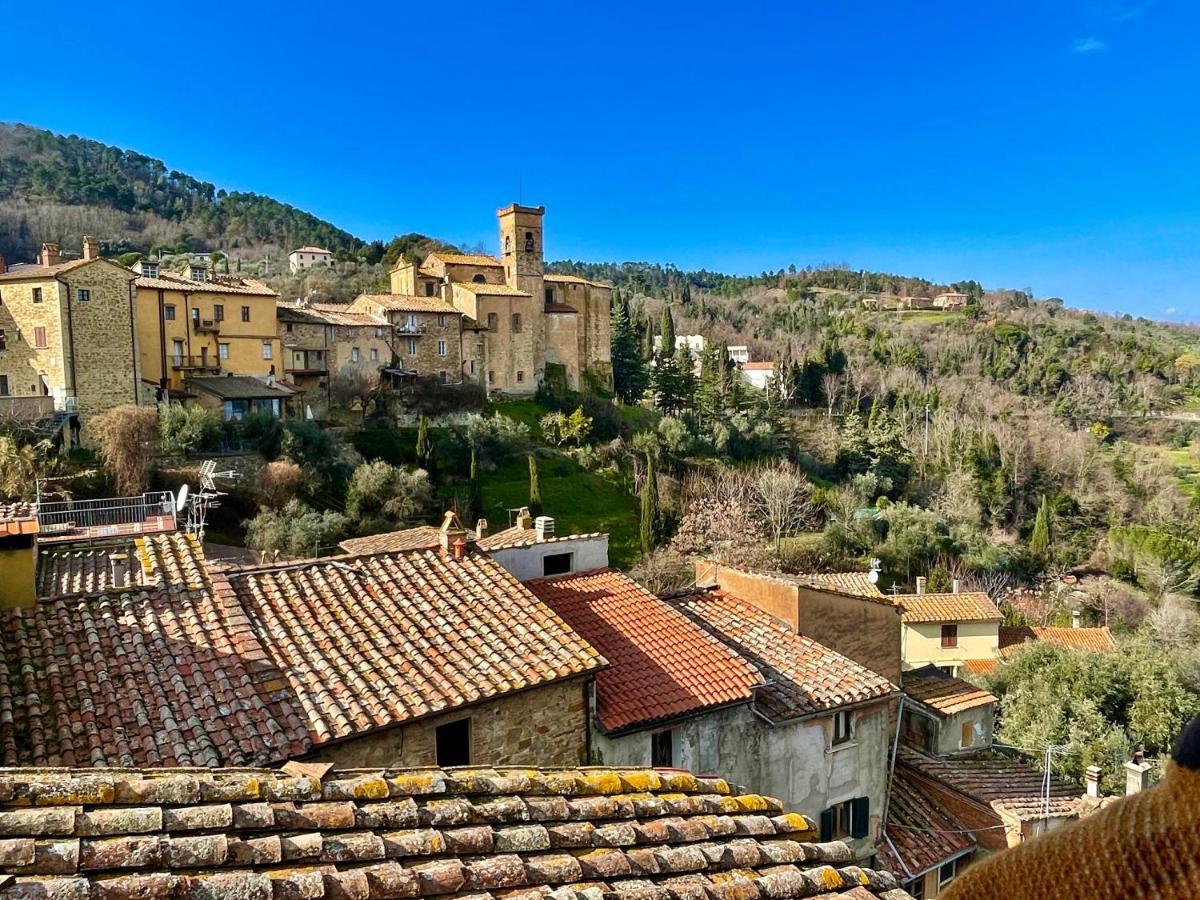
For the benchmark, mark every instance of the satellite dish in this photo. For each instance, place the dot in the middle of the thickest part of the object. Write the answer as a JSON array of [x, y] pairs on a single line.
[[181, 498], [872, 576]]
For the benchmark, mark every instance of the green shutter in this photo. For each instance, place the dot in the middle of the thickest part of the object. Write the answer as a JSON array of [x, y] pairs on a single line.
[[827, 825], [861, 817]]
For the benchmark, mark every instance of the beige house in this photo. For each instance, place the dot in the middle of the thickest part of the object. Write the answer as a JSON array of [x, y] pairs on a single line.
[[518, 320], [950, 300], [948, 630], [68, 339], [322, 339], [308, 257], [425, 333]]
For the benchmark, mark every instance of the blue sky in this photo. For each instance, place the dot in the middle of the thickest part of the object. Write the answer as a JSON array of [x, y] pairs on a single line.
[[1045, 145]]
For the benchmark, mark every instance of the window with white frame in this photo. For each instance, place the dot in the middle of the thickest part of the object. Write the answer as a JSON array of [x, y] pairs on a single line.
[[354, 354], [843, 727], [441, 350], [266, 349], [412, 348]]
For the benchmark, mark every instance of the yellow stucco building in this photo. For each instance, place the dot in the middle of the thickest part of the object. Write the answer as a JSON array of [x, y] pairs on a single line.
[[948, 630], [516, 319], [195, 323]]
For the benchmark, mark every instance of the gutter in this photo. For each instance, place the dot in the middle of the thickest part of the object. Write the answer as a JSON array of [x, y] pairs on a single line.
[[887, 797]]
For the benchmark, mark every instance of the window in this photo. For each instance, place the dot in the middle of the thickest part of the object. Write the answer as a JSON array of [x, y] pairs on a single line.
[[84, 295], [354, 354], [662, 749], [968, 735], [493, 321], [374, 354], [3, 385], [412, 347], [516, 323], [429, 289], [508, 243], [245, 314], [443, 376], [169, 312], [851, 818], [39, 337], [379, 333], [177, 352], [197, 273], [218, 312], [288, 327], [557, 563], [549, 295], [441, 348], [842, 727], [472, 367], [223, 351], [410, 322], [453, 743], [491, 377], [3, 340], [441, 320], [520, 377], [195, 316], [950, 635], [266, 349], [37, 295], [328, 334], [947, 872], [478, 278], [529, 242]]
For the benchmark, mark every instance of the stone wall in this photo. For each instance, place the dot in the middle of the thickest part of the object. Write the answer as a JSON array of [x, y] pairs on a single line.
[[542, 726], [22, 361]]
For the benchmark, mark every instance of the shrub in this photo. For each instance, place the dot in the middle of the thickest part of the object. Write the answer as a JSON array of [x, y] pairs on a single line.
[[277, 483], [186, 430], [264, 433], [127, 439], [296, 531], [382, 497]]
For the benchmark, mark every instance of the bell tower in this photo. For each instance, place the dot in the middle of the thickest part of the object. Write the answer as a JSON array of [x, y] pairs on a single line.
[[521, 248]]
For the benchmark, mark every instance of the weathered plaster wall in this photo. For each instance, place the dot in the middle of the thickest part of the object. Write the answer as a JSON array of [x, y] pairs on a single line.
[[923, 644], [527, 562]]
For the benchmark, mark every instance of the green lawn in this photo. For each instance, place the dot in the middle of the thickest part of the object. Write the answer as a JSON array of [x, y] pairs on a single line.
[[529, 412], [1187, 467], [579, 501]]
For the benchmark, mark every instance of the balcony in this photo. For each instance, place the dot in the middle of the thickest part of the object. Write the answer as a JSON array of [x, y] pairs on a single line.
[[206, 326], [410, 329], [196, 362], [72, 520]]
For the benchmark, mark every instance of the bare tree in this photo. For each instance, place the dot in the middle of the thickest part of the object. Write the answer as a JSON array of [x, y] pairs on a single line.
[[831, 388], [354, 384], [782, 496], [127, 438]]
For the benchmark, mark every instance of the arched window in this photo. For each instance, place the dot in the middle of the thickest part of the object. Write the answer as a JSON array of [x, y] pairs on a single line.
[[529, 242], [478, 278], [508, 243]]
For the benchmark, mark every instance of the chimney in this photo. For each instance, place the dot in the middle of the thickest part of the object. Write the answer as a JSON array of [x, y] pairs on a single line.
[[1092, 776], [956, 585], [481, 529], [920, 585], [460, 548], [524, 520], [91, 247], [543, 528], [1137, 774], [1076, 618], [451, 533], [50, 255], [119, 565]]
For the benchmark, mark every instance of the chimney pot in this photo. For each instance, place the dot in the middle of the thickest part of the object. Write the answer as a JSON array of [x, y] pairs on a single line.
[[524, 520], [956, 585], [119, 563], [91, 247], [1076, 618], [50, 255], [460, 548], [1137, 774], [1092, 776], [481, 529], [543, 528], [920, 585]]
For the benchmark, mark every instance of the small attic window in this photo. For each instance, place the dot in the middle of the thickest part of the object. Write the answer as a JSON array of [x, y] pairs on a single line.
[[478, 278], [453, 743]]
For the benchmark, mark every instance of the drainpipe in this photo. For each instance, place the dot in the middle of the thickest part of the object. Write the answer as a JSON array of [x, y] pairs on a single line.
[[164, 378], [887, 797], [133, 342], [71, 340]]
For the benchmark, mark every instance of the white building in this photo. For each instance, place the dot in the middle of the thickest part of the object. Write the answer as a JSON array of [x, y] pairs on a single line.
[[694, 342], [758, 374], [309, 257]]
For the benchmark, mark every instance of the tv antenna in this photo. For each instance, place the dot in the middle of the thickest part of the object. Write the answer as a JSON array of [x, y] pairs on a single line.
[[202, 500]]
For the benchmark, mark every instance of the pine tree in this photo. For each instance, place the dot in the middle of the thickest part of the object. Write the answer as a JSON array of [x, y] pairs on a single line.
[[629, 371], [535, 488], [667, 330], [650, 518], [686, 296], [686, 374], [647, 338], [1042, 538], [710, 401], [852, 445]]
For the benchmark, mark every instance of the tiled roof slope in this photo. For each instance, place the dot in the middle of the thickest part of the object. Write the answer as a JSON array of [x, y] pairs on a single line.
[[374, 641], [1006, 784], [516, 536], [518, 834], [66, 571], [1096, 640], [167, 281], [802, 676], [325, 314], [16, 510], [968, 606], [421, 537], [920, 834], [945, 695], [465, 259], [400, 303], [661, 664], [856, 583], [141, 678]]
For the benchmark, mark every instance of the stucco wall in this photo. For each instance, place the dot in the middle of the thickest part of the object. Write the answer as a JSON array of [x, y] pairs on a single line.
[[544, 726], [794, 762], [923, 644], [526, 562]]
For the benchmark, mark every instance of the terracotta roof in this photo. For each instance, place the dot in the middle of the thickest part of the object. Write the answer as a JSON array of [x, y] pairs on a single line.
[[145, 677], [979, 666], [169, 282], [967, 606], [560, 308], [573, 279], [401, 303], [373, 641], [171, 561], [920, 834], [857, 583], [758, 366], [1006, 784], [516, 536], [18, 517], [481, 833], [326, 314], [465, 259], [236, 387], [496, 290], [20, 272], [422, 537], [661, 664], [1097, 640], [802, 676], [310, 250], [945, 695]]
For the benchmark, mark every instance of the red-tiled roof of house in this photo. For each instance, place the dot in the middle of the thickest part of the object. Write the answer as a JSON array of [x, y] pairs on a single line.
[[967, 606], [1096, 640], [23, 271], [1006, 784], [979, 666], [920, 835], [327, 314], [482, 833], [857, 583], [18, 517], [945, 695], [65, 570], [465, 259], [801, 676], [758, 366], [491, 290], [419, 537], [374, 641], [518, 536], [661, 664], [170, 281], [401, 303]]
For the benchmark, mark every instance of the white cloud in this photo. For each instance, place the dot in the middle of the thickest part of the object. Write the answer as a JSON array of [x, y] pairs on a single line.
[[1090, 44], [1171, 310]]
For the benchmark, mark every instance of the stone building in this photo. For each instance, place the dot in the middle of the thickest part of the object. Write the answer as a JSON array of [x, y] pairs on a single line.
[[68, 340], [196, 323], [520, 324], [307, 258], [426, 334], [322, 339]]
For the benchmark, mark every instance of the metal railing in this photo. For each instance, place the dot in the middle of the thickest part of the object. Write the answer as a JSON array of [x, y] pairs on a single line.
[[195, 362], [115, 513]]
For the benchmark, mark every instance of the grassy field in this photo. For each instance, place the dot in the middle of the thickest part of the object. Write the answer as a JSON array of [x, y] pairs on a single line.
[[579, 501], [1186, 461]]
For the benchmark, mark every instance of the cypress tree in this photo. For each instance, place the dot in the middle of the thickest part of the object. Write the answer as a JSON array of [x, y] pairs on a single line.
[[649, 530], [535, 488], [474, 505], [629, 371], [667, 330], [647, 338], [1042, 537]]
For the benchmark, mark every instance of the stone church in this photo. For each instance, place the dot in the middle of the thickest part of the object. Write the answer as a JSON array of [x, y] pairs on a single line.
[[520, 326]]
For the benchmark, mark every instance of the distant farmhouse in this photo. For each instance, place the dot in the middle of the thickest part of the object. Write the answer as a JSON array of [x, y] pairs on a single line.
[[308, 258]]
